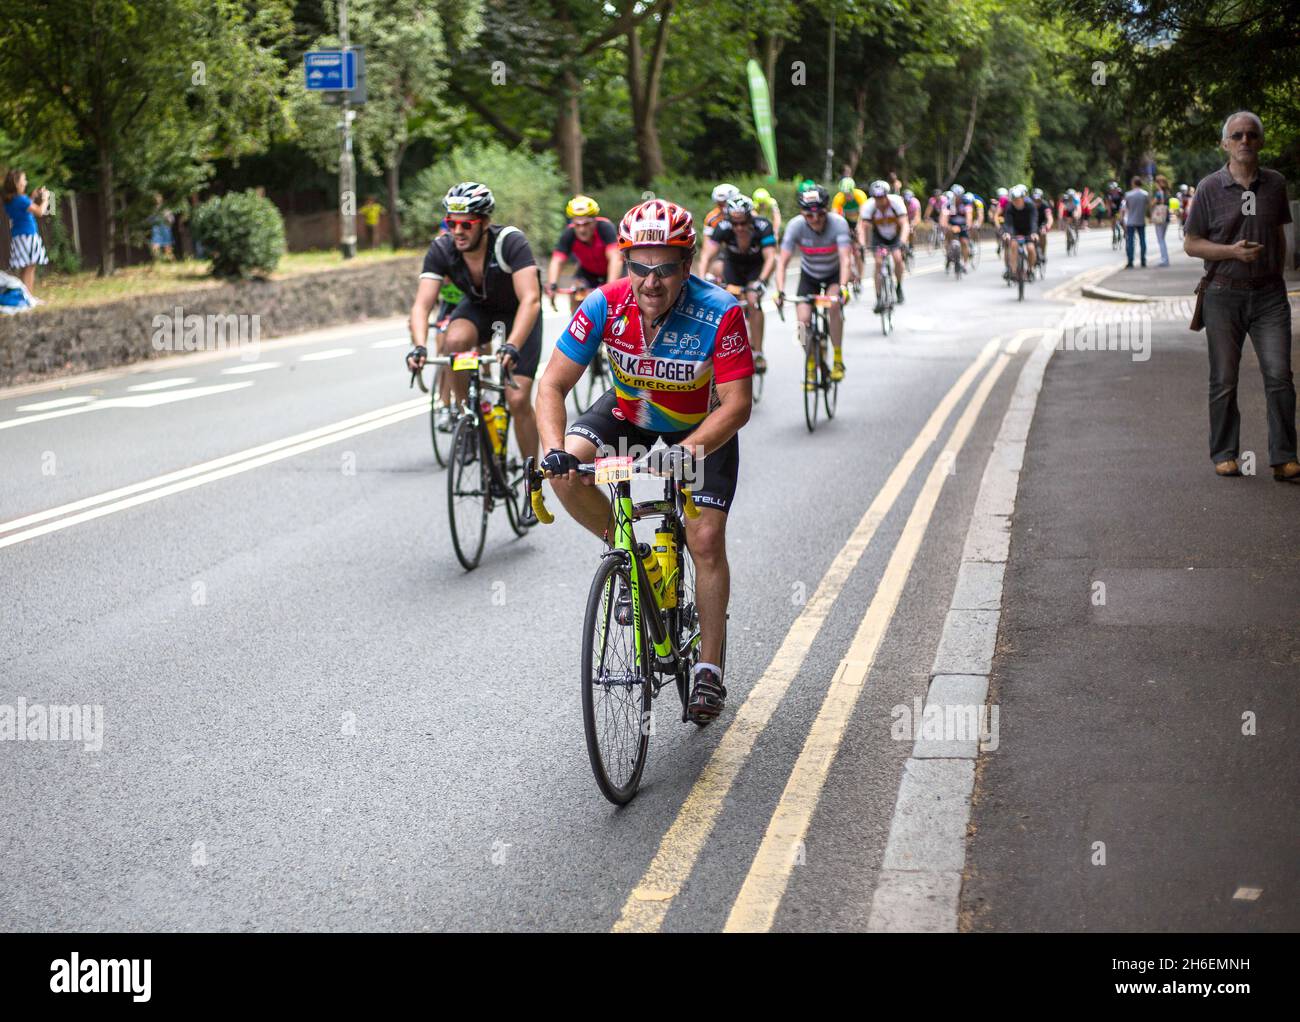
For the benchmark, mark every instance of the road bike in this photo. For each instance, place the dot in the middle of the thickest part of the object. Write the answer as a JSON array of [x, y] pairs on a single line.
[[936, 237], [909, 257], [974, 252], [740, 292], [1071, 239], [1040, 265], [888, 291], [482, 474], [1021, 273], [818, 387], [1116, 234], [952, 257], [597, 379], [641, 629]]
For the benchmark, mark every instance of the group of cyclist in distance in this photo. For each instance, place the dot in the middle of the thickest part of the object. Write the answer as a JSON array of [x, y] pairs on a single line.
[[683, 338]]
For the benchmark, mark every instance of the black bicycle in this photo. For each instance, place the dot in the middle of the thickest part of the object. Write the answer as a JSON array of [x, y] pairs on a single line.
[[952, 259], [441, 417], [1021, 274], [818, 387], [1116, 234], [482, 474], [641, 630], [1071, 238], [888, 289]]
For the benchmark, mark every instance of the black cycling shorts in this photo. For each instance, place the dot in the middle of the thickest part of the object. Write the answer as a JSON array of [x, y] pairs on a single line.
[[810, 285], [878, 240], [605, 426], [484, 320], [739, 271], [589, 280]]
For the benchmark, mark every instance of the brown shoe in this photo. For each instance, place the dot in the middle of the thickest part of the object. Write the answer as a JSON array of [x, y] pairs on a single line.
[[1228, 468], [1288, 473]]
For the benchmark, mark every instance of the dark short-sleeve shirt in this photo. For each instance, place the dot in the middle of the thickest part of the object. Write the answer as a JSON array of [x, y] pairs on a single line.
[[442, 261], [1218, 204]]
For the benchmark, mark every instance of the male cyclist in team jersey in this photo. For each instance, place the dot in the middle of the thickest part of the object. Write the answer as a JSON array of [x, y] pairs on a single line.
[[766, 207], [825, 264], [849, 203], [1045, 219], [591, 240], [1019, 222], [890, 230], [957, 218], [494, 267], [721, 195], [748, 247], [682, 372], [449, 296]]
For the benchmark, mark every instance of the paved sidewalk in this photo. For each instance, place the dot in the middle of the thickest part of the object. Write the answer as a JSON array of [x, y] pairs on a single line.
[[1177, 280], [1151, 618]]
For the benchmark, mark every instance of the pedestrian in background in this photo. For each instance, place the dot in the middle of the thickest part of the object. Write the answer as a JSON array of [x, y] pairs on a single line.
[[1135, 220], [161, 241], [26, 250], [370, 212], [1237, 225], [1160, 216]]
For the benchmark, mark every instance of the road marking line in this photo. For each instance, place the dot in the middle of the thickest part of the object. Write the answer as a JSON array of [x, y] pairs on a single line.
[[134, 401], [1013, 345], [321, 356], [58, 402], [760, 896], [252, 367], [682, 844], [175, 381], [393, 342], [415, 404]]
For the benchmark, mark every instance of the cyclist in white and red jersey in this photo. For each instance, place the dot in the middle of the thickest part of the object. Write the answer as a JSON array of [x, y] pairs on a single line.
[[682, 366]]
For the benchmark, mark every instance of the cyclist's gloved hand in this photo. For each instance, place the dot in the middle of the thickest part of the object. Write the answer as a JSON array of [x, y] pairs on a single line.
[[760, 288], [508, 354], [559, 463], [552, 287], [675, 462], [417, 357]]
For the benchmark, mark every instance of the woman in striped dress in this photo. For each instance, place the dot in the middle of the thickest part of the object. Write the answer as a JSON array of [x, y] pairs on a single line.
[[26, 250]]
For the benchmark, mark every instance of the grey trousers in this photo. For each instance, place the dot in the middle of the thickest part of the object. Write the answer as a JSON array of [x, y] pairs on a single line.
[[1266, 315]]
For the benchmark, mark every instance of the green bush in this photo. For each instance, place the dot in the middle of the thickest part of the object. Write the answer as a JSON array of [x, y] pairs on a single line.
[[529, 189], [63, 256], [242, 233]]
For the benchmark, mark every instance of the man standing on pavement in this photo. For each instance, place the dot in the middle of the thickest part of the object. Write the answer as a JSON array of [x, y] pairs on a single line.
[[1135, 220], [1237, 227]]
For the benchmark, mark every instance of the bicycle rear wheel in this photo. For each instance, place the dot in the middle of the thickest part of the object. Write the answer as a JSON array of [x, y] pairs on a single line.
[[616, 687], [1021, 273], [468, 493], [441, 440], [830, 389], [811, 383]]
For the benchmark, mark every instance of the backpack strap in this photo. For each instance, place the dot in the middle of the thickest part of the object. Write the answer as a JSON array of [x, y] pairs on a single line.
[[500, 247]]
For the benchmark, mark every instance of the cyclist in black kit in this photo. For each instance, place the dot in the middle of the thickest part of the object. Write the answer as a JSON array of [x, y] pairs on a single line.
[[748, 245]]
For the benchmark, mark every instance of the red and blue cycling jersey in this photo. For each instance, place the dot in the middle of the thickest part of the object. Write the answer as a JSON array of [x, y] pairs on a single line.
[[665, 386]]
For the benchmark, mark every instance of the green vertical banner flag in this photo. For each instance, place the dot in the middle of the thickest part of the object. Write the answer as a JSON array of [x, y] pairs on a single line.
[[762, 101]]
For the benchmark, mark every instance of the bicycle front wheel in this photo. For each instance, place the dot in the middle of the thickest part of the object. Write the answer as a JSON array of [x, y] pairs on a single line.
[[616, 687], [830, 389], [811, 384], [468, 492], [974, 253]]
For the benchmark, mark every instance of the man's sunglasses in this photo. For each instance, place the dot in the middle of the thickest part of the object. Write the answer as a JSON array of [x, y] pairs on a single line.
[[1237, 136], [816, 211], [663, 271], [453, 225]]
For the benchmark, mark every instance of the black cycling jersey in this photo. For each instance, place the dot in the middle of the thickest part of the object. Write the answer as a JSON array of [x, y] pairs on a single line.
[[442, 261], [1043, 209], [1022, 221], [761, 236]]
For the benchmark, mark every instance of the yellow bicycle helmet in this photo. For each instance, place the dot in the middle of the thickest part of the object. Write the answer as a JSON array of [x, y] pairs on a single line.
[[582, 205]]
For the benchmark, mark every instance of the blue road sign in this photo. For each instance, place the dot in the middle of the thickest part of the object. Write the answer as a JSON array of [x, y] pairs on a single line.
[[330, 70]]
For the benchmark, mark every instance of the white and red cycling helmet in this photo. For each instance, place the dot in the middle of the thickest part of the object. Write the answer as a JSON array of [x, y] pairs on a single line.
[[656, 222]]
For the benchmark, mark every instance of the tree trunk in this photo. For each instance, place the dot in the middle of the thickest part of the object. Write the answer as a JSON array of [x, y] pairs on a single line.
[[859, 128], [955, 165], [644, 90], [107, 225], [393, 173], [568, 130]]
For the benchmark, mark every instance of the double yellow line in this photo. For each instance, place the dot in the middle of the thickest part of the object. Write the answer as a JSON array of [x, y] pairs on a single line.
[[682, 845]]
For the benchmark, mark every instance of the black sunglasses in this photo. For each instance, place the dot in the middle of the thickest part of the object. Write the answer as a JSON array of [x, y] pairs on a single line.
[[1237, 136], [661, 270]]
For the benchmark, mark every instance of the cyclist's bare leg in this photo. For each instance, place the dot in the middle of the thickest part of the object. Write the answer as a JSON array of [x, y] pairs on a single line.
[[706, 537], [444, 384], [754, 320], [898, 264], [584, 501], [835, 318], [1032, 249], [521, 411], [879, 270]]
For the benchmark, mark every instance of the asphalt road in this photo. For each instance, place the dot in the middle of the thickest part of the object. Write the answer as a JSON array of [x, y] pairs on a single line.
[[314, 719]]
